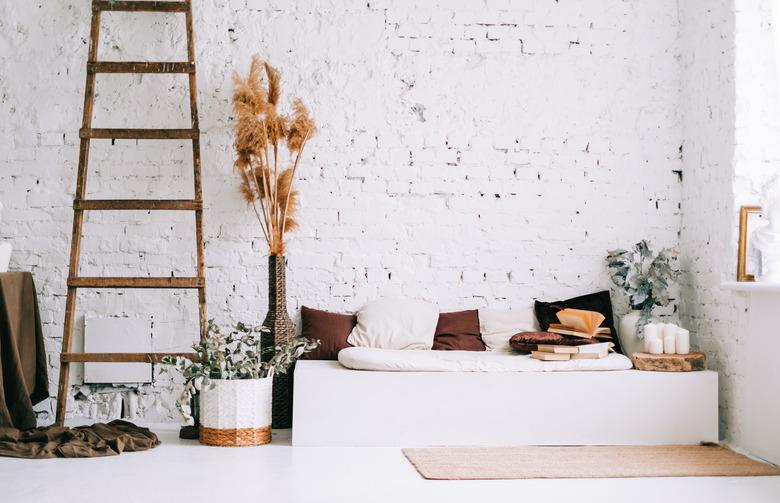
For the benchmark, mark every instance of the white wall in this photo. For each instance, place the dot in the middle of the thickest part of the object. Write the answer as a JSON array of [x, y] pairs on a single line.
[[708, 234], [469, 154], [755, 408], [729, 96]]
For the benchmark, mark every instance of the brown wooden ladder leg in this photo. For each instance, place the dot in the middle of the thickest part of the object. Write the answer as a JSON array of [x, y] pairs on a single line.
[[78, 221], [198, 189]]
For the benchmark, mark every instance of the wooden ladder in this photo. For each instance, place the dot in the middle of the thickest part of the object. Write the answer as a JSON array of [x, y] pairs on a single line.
[[81, 204]]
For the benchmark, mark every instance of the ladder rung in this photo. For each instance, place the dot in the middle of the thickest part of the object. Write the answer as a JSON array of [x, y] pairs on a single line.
[[120, 357], [139, 134], [138, 204], [131, 282], [140, 67], [141, 6]]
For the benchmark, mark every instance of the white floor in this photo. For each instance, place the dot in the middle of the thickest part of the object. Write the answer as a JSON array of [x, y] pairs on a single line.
[[184, 471]]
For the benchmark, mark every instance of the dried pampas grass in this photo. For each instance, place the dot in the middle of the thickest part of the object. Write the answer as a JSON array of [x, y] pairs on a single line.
[[260, 131]]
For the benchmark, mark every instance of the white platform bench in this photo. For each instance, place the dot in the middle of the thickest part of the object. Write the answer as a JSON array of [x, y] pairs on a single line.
[[336, 406]]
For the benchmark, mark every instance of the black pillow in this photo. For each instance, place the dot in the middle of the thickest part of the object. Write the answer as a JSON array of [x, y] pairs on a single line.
[[599, 302]]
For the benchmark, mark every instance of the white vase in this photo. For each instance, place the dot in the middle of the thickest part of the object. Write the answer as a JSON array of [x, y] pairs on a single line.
[[236, 412], [627, 332]]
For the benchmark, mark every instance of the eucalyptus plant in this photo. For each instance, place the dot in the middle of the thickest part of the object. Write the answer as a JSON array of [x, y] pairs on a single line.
[[235, 354], [645, 278]]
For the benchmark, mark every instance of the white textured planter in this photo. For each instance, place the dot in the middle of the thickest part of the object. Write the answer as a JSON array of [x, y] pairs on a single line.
[[236, 412]]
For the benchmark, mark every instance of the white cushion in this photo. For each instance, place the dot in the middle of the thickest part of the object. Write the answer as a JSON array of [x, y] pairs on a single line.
[[498, 326], [395, 324], [389, 360]]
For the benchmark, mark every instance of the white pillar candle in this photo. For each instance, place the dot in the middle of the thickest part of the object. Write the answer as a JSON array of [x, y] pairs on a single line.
[[669, 344], [682, 343], [651, 332], [669, 329], [656, 347]]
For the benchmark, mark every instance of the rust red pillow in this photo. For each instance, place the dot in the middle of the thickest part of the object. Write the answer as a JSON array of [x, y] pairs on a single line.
[[331, 329], [458, 331], [525, 342]]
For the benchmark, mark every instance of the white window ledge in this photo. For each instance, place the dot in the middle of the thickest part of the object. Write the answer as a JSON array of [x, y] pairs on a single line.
[[751, 286]]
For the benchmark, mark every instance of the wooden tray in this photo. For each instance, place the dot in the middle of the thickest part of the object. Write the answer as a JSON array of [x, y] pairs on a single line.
[[669, 363]]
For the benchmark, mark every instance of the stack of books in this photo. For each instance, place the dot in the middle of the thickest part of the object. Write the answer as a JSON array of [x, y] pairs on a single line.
[[556, 353]]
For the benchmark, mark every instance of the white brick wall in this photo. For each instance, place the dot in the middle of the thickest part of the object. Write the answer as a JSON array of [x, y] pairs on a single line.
[[708, 233], [471, 154], [730, 111]]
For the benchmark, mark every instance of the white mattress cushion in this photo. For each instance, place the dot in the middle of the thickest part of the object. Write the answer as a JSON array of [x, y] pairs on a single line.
[[395, 324], [498, 326], [391, 360]]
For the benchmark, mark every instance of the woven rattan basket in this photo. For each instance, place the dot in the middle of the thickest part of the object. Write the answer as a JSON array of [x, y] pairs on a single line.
[[236, 412]]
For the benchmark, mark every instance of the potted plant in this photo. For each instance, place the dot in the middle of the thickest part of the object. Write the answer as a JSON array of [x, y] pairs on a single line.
[[234, 383], [645, 278], [269, 147]]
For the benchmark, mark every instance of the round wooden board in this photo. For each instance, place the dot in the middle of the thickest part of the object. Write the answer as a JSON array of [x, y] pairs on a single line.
[[669, 363]]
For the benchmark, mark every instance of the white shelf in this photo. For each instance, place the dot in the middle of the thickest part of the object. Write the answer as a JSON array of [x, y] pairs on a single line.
[[751, 286]]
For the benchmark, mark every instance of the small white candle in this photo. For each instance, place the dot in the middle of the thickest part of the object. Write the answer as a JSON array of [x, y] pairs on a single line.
[[682, 342], [669, 344], [669, 329], [656, 347], [651, 332]]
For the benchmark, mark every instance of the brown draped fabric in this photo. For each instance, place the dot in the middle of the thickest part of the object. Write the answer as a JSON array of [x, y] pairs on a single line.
[[23, 373], [24, 382], [97, 440]]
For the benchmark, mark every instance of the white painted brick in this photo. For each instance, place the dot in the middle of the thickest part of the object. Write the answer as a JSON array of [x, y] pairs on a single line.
[[48, 139]]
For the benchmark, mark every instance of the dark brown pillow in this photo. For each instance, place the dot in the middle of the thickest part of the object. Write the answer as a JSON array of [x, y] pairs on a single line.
[[331, 329], [525, 342], [458, 331], [599, 302]]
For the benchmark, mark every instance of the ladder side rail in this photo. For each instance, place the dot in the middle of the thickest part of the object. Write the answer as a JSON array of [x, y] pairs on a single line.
[[78, 220], [198, 189]]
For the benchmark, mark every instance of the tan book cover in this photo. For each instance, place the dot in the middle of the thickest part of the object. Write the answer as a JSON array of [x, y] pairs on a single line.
[[550, 357], [557, 348]]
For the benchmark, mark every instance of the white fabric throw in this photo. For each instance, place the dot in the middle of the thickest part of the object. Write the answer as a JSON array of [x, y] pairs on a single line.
[[389, 360]]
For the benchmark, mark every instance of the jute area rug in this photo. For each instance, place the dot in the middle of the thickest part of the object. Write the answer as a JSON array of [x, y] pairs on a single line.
[[584, 462]]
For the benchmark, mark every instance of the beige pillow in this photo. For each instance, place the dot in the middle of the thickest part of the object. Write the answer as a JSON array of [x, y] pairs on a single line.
[[395, 324], [498, 326]]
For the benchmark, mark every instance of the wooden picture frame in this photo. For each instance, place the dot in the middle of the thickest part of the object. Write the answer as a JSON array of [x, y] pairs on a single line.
[[743, 274]]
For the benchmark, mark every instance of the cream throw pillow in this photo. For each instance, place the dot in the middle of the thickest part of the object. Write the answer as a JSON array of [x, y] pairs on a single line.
[[498, 326], [395, 324]]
